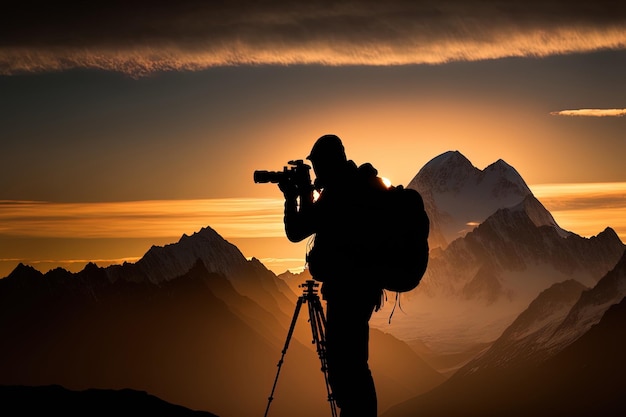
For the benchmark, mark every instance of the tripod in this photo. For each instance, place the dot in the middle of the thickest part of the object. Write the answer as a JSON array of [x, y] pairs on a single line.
[[318, 329]]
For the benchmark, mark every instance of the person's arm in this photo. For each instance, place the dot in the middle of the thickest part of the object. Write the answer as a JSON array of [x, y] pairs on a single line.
[[299, 220]]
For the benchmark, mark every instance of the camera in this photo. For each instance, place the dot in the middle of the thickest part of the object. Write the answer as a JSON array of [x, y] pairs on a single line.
[[296, 178], [298, 174]]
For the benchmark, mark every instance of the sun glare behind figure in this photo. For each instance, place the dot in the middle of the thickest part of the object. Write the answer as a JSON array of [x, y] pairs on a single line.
[[316, 195], [386, 181]]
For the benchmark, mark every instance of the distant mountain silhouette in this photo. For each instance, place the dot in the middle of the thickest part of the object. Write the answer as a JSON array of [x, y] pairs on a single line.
[[524, 340], [557, 318], [597, 360], [563, 356], [178, 340], [209, 339], [584, 379], [480, 282], [56, 400]]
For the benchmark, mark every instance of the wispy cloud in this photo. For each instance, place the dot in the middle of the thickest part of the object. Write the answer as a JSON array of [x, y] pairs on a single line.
[[591, 112], [279, 265], [141, 219], [586, 208], [192, 35]]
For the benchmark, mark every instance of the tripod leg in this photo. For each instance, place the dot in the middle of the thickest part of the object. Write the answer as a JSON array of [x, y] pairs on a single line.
[[284, 351], [318, 328]]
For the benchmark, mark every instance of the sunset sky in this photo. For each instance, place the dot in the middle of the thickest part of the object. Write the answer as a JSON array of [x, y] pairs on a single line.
[[124, 125]]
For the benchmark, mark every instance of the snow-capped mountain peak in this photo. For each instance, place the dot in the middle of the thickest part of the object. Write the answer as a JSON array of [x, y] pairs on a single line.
[[458, 196], [449, 171], [162, 263]]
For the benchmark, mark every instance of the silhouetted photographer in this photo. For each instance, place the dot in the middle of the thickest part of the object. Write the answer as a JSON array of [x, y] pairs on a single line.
[[340, 259]]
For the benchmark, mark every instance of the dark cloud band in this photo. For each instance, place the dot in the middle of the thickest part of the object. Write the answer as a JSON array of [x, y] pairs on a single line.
[[140, 37]]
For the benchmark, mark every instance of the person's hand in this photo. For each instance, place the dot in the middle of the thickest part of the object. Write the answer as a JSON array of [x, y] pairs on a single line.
[[289, 189]]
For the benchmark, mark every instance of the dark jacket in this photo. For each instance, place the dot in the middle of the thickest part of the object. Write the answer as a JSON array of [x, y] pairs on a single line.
[[340, 221]]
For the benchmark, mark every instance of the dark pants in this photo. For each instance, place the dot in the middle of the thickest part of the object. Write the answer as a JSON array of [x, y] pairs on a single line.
[[347, 339]]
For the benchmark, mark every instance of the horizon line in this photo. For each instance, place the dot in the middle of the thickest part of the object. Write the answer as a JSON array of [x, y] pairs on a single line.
[[249, 217]]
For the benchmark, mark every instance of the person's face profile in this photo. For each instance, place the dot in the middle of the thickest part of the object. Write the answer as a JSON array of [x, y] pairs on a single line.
[[325, 169]]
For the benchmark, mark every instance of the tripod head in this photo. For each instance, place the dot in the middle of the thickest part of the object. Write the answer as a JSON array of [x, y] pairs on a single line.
[[310, 288]]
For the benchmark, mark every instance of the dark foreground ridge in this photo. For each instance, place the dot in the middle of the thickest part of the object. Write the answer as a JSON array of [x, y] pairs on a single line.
[[52, 399]]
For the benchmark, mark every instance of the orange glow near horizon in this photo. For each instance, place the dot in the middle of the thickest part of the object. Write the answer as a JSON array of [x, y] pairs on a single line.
[[586, 208], [235, 217], [254, 225]]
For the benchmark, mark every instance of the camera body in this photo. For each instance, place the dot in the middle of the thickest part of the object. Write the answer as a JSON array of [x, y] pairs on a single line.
[[298, 174]]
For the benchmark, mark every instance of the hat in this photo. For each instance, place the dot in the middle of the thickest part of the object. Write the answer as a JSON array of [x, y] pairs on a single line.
[[328, 147]]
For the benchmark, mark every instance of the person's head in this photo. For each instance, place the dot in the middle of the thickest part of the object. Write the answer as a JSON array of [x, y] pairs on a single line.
[[328, 158]]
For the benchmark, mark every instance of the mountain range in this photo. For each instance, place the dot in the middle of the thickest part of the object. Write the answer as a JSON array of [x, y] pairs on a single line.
[[208, 339], [563, 356], [559, 316], [508, 296], [478, 283]]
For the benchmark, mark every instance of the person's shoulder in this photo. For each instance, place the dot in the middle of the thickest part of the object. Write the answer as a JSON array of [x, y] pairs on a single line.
[[368, 176], [367, 170]]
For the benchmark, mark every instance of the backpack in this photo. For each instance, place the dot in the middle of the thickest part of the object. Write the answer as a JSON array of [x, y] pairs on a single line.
[[395, 243], [401, 231]]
